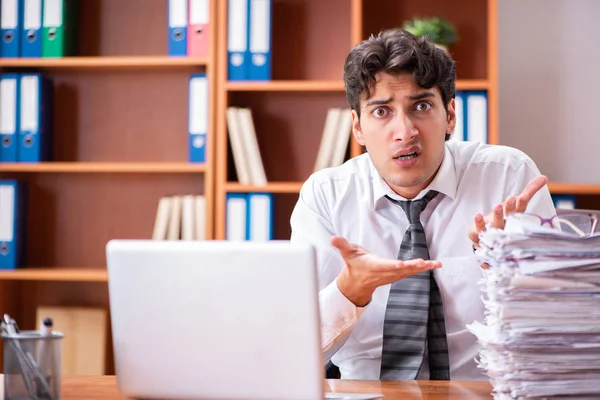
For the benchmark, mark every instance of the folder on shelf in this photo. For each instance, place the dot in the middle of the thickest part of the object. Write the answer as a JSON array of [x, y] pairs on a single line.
[[236, 216], [198, 117], [237, 40], [60, 28], [236, 138], [260, 21], [459, 109], [12, 223], [327, 139], [476, 113], [10, 27], [258, 176], [260, 217], [335, 138], [31, 32], [161, 221], [564, 201], [180, 217], [174, 227], [199, 217], [342, 139], [178, 26], [198, 35], [84, 345], [9, 121], [36, 116], [187, 217]]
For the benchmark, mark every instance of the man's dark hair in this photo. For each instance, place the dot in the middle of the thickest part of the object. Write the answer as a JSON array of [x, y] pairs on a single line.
[[396, 51]]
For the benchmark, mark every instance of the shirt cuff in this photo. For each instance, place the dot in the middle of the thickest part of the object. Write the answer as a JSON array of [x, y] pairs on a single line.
[[338, 315]]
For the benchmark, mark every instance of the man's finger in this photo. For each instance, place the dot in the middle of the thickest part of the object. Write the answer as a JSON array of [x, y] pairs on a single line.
[[346, 249], [479, 223], [498, 217], [530, 190], [510, 205], [411, 267]]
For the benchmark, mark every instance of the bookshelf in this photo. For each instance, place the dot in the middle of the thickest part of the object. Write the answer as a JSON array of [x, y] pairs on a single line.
[[120, 144], [311, 39]]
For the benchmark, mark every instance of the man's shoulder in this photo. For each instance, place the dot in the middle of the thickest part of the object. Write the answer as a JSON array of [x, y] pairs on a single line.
[[356, 167], [479, 154], [351, 175]]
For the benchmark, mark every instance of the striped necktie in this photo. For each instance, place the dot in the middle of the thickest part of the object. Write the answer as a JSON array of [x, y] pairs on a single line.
[[414, 315]]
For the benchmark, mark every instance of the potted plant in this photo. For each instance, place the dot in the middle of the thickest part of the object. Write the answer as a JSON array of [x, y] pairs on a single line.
[[439, 30]]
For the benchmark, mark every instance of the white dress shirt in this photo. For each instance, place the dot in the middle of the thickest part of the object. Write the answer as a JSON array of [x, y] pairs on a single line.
[[349, 201]]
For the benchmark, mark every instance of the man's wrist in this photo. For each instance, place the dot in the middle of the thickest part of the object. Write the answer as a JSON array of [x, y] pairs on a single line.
[[356, 295]]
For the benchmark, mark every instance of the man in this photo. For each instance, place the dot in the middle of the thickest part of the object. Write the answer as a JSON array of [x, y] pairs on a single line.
[[384, 315]]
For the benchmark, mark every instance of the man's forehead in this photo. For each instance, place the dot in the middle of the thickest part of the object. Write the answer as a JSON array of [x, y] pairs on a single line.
[[398, 87]]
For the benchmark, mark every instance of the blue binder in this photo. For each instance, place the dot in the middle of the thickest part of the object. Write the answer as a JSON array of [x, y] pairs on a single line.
[[237, 40], [13, 209], [177, 29], [35, 127], [9, 117], [564, 201], [10, 28], [198, 117], [31, 32], [460, 129], [260, 217], [259, 33], [236, 216], [476, 119]]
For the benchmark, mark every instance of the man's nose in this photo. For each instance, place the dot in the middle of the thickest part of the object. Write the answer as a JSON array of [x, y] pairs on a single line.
[[404, 130]]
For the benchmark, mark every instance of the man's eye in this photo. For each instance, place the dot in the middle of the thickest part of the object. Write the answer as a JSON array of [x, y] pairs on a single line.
[[380, 112], [423, 106]]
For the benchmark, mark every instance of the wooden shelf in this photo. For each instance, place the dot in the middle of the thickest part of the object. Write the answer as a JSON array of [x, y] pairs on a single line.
[[56, 274], [286, 86], [105, 62], [472, 84], [573, 188], [90, 167], [323, 86], [271, 187]]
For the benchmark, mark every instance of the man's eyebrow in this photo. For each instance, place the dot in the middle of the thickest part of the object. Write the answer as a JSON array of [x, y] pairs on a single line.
[[380, 102], [420, 96]]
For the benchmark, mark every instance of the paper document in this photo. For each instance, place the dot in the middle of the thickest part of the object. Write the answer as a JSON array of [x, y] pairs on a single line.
[[541, 333]]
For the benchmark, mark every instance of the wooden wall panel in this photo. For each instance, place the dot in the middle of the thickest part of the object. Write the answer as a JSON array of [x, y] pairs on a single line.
[[310, 38]]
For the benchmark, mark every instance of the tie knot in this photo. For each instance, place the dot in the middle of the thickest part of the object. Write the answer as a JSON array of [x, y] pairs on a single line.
[[414, 208]]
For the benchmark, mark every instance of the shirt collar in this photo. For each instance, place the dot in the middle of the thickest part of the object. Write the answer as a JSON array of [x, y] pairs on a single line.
[[444, 181]]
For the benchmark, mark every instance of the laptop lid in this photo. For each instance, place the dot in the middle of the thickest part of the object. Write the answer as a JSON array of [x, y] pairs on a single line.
[[215, 319]]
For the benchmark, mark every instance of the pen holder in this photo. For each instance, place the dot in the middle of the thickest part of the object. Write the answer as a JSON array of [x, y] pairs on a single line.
[[32, 365]]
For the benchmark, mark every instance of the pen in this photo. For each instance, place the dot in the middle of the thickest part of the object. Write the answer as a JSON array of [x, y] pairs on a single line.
[[45, 351]]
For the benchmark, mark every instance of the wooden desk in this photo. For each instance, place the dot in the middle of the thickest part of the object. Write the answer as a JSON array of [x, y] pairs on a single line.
[[104, 387]]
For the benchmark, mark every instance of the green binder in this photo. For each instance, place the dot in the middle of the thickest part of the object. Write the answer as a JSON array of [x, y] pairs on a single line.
[[60, 28]]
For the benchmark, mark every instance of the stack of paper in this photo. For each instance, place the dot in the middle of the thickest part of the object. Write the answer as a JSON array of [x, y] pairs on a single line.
[[541, 334]]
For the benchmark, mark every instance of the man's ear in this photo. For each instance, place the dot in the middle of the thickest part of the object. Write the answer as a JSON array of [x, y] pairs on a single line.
[[451, 117], [356, 131]]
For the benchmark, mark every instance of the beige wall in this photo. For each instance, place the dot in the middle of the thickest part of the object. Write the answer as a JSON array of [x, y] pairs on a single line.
[[549, 73]]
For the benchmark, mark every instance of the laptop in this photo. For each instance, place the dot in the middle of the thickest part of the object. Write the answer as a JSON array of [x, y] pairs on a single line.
[[216, 320]]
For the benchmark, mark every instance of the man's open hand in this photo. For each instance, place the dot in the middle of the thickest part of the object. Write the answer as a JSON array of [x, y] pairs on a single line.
[[512, 204], [364, 272]]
